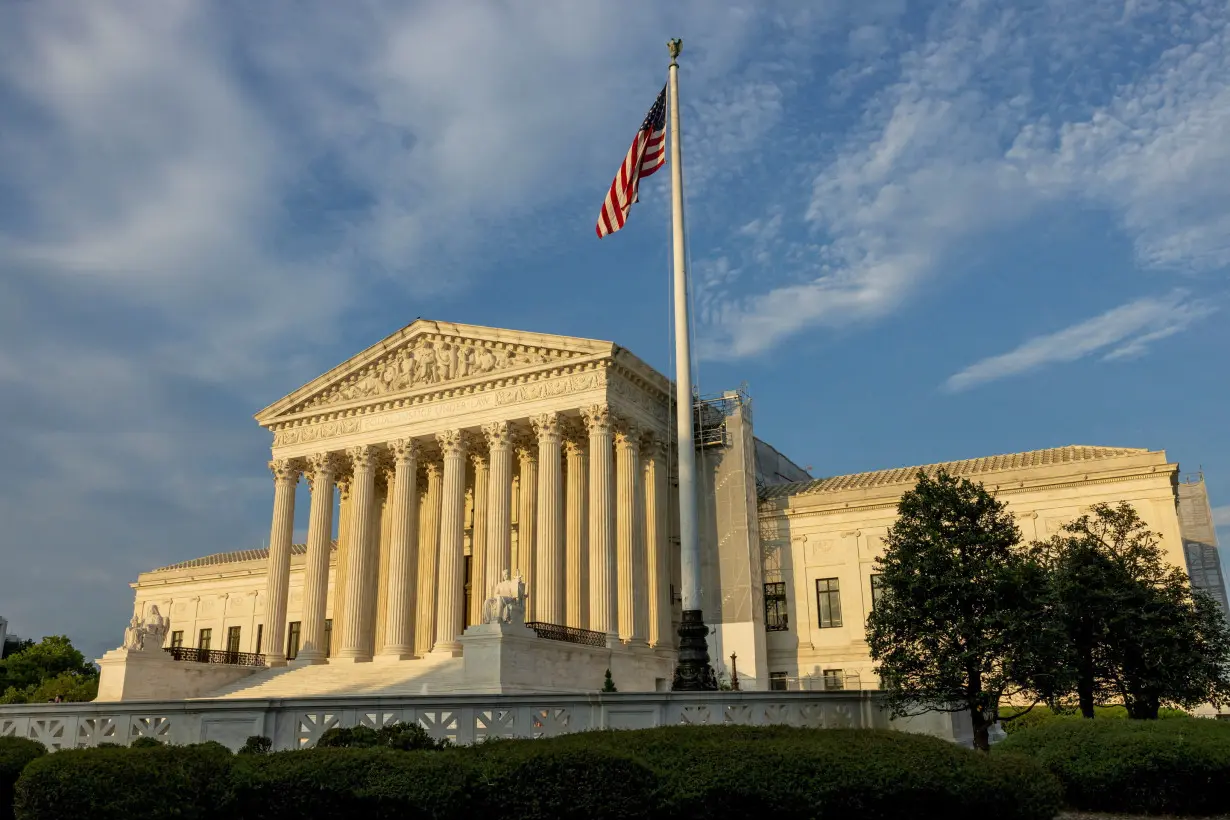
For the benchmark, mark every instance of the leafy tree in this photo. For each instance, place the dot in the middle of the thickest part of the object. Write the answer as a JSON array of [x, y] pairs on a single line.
[[1135, 629], [44, 670], [962, 620]]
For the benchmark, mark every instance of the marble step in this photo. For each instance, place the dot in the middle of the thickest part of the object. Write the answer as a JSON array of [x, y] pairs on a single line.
[[412, 677]]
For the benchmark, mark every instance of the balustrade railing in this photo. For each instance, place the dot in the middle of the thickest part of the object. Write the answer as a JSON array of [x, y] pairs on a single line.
[[191, 653], [568, 634]]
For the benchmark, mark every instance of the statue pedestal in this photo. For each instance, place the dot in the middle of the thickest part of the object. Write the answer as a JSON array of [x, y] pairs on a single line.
[[152, 674], [509, 658]]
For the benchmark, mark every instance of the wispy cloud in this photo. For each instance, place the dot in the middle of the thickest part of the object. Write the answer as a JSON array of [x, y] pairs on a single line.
[[995, 112], [1221, 516], [1127, 331]]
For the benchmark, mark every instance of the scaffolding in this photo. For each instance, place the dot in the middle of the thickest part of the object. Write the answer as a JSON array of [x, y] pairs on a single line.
[[709, 415]]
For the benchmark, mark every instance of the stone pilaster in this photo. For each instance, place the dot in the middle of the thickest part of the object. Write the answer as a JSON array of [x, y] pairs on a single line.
[[657, 542], [602, 601], [277, 583], [628, 519], [548, 584], [450, 593], [402, 577], [576, 563], [429, 560], [478, 535], [320, 473], [499, 504], [527, 519], [353, 644]]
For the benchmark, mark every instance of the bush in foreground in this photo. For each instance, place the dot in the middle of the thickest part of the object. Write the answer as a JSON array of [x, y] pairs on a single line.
[[1039, 715], [1165, 766], [15, 754], [124, 783]]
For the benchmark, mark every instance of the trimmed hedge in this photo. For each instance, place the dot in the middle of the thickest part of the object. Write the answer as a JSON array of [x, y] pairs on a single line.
[[1043, 714], [677, 772], [123, 783], [1139, 766], [15, 754]]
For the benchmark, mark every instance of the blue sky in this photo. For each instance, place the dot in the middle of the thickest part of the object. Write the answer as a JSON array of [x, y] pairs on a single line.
[[919, 232]]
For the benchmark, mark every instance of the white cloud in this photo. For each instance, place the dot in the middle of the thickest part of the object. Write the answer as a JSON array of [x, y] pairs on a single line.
[[1221, 516], [971, 137], [1128, 329]]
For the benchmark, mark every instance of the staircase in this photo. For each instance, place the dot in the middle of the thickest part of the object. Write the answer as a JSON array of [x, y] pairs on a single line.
[[423, 676]]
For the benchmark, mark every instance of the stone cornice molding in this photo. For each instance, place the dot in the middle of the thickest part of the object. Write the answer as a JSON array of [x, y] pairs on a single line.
[[775, 508]]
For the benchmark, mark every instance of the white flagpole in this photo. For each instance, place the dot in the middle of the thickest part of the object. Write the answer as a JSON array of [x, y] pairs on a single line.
[[693, 671]]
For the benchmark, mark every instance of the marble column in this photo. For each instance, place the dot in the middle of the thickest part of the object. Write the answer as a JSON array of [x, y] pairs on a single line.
[[354, 642], [344, 506], [450, 594], [602, 601], [628, 502], [657, 556], [499, 508], [479, 582], [527, 519], [320, 474], [429, 560], [402, 576], [576, 555], [548, 583], [277, 583], [373, 583]]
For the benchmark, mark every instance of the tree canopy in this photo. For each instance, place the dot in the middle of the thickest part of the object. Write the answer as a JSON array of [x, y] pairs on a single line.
[[45, 670]]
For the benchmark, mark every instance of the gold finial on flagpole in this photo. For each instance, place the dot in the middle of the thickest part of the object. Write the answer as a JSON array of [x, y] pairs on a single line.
[[674, 46]]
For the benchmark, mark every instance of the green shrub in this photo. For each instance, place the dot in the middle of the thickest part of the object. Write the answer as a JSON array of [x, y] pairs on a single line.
[[256, 745], [404, 736], [15, 754], [1162, 766], [127, 783], [1042, 714], [146, 743]]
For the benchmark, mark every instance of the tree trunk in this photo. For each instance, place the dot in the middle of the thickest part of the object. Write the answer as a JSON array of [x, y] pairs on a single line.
[[982, 727], [1084, 679]]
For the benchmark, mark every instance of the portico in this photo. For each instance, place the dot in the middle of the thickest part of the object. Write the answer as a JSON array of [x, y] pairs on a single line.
[[450, 454]]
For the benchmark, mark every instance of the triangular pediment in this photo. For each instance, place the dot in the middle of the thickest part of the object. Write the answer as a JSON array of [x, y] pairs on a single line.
[[427, 356]]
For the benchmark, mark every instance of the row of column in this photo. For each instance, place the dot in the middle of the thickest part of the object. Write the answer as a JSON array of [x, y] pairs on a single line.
[[592, 536]]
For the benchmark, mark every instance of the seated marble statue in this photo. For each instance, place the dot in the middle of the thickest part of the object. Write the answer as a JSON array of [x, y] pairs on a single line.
[[134, 638], [507, 602], [147, 634]]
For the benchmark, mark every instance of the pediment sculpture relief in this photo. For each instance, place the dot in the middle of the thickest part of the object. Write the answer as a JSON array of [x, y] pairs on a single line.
[[433, 361]]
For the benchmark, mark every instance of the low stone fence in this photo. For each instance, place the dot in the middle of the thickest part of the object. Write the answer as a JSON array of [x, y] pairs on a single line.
[[297, 723]]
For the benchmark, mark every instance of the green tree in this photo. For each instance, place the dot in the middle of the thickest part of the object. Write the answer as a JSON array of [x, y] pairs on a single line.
[[1135, 629], [44, 670], [962, 620]]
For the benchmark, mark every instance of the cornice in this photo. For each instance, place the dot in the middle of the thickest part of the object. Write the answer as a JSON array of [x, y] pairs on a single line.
[[775, 511]]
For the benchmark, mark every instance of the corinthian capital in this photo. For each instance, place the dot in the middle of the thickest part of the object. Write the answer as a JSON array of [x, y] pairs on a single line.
[[404, 451], [452, 443], [284, 470], [597, 418], [627, 434], [362, 457], [546, 426], [497, 435]]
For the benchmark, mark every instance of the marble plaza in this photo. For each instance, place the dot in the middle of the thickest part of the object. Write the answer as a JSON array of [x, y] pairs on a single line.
[[447, 457]]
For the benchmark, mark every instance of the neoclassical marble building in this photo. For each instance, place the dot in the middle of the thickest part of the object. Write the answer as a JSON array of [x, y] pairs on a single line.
[[446, 455]]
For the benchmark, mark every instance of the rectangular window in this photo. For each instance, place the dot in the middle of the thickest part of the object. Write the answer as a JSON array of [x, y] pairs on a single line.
[[177, 638], [204, 638], [777, 681], [232, 640], [828, 602], [260, 636], [775, 618], [292, 640], [469, 593], [834, 679], [328, 637], [877, 584]]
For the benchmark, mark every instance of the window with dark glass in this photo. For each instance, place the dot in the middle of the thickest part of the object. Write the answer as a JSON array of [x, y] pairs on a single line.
[[260, 636], [328, 637], [775, 618], [834, 679], [204, 638], [232, 640], [828, 602], [292, 640], [177, 638], [877, 585], [468, 591], [777, 681]]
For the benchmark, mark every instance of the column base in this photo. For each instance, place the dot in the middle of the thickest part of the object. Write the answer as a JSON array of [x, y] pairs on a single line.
[[393, 657], [348, 661], [308, 660], [274, 662], [693, 672], [445, 650]]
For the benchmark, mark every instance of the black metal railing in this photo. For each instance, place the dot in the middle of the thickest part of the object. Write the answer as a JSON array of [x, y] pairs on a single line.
[[191, 653], [568, 634]]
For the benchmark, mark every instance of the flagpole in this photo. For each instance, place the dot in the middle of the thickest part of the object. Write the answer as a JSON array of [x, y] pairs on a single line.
[[693, 671]]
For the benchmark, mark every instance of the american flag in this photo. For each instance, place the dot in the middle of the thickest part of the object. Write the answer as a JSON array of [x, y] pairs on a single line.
[[647, 154]]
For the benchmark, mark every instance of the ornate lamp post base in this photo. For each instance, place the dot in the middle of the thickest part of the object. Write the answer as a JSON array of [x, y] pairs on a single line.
[[693, 673]]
